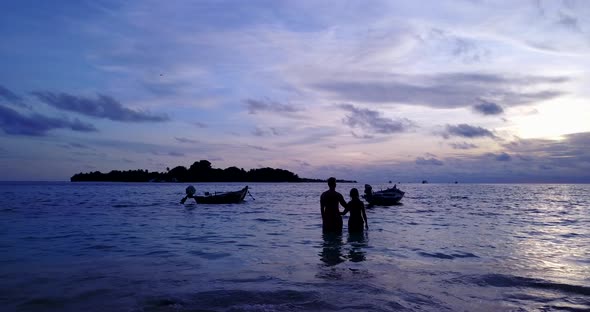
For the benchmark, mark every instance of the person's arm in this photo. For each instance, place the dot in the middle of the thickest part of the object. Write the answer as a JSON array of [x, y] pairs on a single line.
[[345, 210], [322, 206], [364, 215], [342, 201]]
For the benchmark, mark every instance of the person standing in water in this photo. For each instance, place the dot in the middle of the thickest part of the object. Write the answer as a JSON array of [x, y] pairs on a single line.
[[331, 218], [358, 216]]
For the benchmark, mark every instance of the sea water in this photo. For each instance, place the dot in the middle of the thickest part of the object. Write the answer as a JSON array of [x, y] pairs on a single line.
[[447, 247]]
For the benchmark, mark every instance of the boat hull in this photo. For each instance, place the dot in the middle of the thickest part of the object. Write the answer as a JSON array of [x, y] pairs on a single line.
[[382, 200], [223, 198]]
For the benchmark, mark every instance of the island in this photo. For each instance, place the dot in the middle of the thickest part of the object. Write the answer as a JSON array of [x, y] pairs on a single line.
[[199, 171]]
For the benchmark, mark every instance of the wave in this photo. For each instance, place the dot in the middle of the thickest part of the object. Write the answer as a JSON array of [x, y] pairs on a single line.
[[209, 255], [441, 255], [101, 247], [501, 280], [459, 197], [241, 300], [268, 220]]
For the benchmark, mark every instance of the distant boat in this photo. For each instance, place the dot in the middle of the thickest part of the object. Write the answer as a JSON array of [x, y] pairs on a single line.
[[424, 182], [388, 197], [220, 198]]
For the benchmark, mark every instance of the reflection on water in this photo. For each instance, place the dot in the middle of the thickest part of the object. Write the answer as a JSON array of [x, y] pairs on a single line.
[[358, 242], [331, 253], [332, 248]]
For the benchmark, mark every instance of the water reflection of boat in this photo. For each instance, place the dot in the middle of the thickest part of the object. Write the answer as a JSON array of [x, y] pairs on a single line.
[[388, 197]]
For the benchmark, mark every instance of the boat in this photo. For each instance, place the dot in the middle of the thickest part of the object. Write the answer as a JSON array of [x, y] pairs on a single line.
[[219, 198], [387, 197]]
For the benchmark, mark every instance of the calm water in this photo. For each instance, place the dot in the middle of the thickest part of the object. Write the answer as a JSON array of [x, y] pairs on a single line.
[[132, 247]]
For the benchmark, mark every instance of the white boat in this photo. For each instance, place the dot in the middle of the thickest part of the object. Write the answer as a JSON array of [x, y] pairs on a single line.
[[387, 197]]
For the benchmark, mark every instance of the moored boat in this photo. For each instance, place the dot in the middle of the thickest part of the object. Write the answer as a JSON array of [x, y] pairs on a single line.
[[388, 197], [219, 198]]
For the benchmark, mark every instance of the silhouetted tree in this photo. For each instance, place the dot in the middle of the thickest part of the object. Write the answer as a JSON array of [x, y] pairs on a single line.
[[200, 171]]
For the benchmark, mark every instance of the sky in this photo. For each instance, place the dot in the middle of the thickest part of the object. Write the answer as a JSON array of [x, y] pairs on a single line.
[[472, 91]]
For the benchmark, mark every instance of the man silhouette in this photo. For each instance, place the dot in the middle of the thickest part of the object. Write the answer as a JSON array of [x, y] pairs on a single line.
[[331, 218]]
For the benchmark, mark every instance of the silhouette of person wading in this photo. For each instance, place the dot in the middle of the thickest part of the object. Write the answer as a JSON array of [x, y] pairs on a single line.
[[331, 218], [358, 216]]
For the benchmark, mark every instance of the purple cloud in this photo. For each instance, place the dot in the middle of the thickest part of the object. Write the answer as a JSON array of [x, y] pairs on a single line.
[[9, 95], [186, 140], [467, 131], [443, 90], [502, 157], [255, 106], [373, 121], [101, 107], [428, 161], [488, 108], [463, 146], [13, 122]]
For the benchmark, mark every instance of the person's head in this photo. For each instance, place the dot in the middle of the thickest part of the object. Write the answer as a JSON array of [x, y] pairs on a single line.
[[332, 183], [354, 193]]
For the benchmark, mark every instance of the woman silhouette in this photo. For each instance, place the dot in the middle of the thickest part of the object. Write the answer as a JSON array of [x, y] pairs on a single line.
[[358, 216]]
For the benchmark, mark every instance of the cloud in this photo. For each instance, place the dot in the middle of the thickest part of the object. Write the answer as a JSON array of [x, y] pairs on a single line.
[[165, 88], [259, 132], [566, 160], [363, 136], [199, 124], [255, 106], [74, 145], [468, 51], [256, 147], [445, 42], [262, 132], [372, 120], [502, 157], [443, 90], [172, 153], [302, 163], [13, 122], [571, 151], [8, 95], [569, 22], [522, 161], [463, 146], [101, 107], [428, 161], [467, 131], [488, 108], [275, 131], [151, 148], [11, 98], [186, 140]]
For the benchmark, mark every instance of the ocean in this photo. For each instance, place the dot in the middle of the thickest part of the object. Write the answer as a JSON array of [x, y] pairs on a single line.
[[448, 247]]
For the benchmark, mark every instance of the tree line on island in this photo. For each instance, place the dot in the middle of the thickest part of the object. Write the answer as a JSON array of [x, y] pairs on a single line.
[[199, 171]]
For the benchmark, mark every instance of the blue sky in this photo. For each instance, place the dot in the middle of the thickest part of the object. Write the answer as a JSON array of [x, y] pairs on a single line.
[[469, 91]]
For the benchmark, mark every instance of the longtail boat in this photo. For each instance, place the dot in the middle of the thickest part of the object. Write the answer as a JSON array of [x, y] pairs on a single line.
[[218, 198]]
